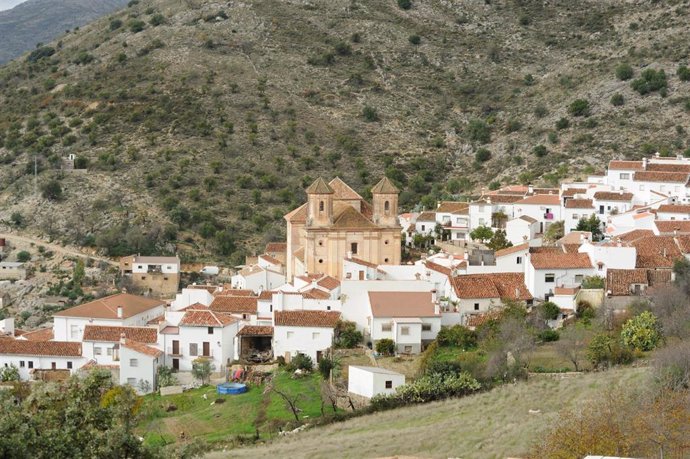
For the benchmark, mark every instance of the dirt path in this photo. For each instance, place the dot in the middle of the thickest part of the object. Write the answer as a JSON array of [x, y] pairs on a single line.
[[13, 237]]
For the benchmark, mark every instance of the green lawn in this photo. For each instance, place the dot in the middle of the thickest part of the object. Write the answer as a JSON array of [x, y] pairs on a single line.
[[239, 415]]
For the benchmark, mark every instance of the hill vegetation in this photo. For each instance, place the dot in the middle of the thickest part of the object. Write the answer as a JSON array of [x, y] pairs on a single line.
[[201, 122]]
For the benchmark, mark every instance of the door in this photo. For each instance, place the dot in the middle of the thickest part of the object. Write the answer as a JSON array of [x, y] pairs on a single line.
[[207, 349], [176, 347], [319, 354], [361, 275], [176, 364], [53, 366]]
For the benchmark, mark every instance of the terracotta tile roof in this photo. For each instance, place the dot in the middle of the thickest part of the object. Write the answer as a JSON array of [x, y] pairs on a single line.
[[656, 252], [155, 260], [667, 177], [451, 206], [266, 295], [234, 304], [299, 254], [659, 277], [475, 320], [319, 187], [684, 244], [668, 167], [40, 348], [570, 192], [42, 334], [256, 330], [571, 248], [276, 247], [674, 208], [566, 290], [613, 196], [626, 165], [316, 294], [438, 268], [298, 215], [359, 261], [112, 334], [349, 217], [672, 226], [493, 285], [427, 217], [618, 281], [562, 260], [141, 348], [510, 250], [195, 306], [106, 308], [201, 318], [208, 288], [579, 204], [385, 186], [343, 191], [401, 304], [635, 234], [324, 319], [170, 330], [502, 198], [575, 237], [541, 200], [528, 219], [270, 259], [546, 249], [251, 270], [156, 320], [546, 191], [328, 282]]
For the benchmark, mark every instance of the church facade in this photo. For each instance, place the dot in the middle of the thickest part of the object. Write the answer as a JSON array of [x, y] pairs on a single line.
[[337, 223]]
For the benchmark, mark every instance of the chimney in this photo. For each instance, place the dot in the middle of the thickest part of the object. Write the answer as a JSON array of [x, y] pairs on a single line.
[[530, 188], [349, 255], [644, 164], [517, 293], [122, 338], [664, 252], [119, 312], [434, 296]]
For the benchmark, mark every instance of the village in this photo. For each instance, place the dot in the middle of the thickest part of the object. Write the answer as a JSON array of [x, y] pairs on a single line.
[[601, 242]]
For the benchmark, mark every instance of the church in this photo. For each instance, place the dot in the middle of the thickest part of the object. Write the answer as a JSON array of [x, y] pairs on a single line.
[[337, 223]]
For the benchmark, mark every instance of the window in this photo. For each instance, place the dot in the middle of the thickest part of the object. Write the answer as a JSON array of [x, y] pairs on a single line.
[[518, 260], [408, 350], [387, 207], [74, 331], [575, 217], [132, 381], [133, 362], [328, 308], [290, 334], [320, 260], [109, 351], [315, 335], [321, 206], [423, 227], [426, 327], [244, 316], [386, 327], [353, 248], [578, 278], [385, 242], [21, 364], [549, 277], [31, 364], [69, 365], [97, 351], [270, 308], [210, 330], [481, 222], [476, 306], [193, 349], [140, 267], [320, 243], [625, 176], [404, 331], [389, 384]]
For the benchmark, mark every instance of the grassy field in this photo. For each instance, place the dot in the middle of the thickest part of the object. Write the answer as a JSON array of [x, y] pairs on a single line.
[[495, 424], [242, 414]]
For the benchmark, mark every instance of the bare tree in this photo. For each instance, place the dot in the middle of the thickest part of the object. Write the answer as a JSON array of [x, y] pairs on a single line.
[[572, 344], [672, 366], [329, 393], [291, 399], [671, 306]]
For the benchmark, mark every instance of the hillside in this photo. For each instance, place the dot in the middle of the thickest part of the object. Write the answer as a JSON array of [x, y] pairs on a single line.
[[40, 21], [201, 122], [494, 424]]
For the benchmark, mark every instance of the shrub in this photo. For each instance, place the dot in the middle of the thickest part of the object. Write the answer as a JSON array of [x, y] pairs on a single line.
[[52, 190], [157, 19], [549, 310], [343, 48], [115, 24], [346, 334], [585, 310], [385, 346], [617, 100], [166, 377], [136, 26], [548, 335], [414, 39], [23, 256], [427, 389], [405, 4], [540, 151], [605, 350], [302, 362], [642, 332], [593, 282], [17, 219], [326, 365], [370, 113], [683, 73], [650, 80], [40, 53], [624, 72], [479, 131], [10, 373], [579, 107], [513, 125], [563, 123], [457, 335], [482, 155]]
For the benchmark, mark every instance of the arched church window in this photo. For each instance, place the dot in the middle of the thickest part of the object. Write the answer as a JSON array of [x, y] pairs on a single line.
[[320, 206]]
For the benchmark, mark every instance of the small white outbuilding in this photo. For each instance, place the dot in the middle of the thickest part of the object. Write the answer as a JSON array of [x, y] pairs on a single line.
[[371, 381]]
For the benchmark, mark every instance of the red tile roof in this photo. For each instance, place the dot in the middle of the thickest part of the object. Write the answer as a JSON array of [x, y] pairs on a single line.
[[634, 235], [438, 268], [626, 165], [665, 177], [493, 285], [276, 247], [234, 292], [106, 308], [141, 348], [613, 196], [475, 320], [618, 281], [541, 200], [673, 226], [656, 252], [328, 282], [514, 249], [451, 206], [266, 295], [270, 259], [256, 330], [401, 304], [234, 304], [206, 318], [674, 208], [570, 192], [42, 334], [40, 348], [427, 217], [316, 294], [502, 198], [359, 261], [321, 319], [113, 334], [579, 204], [668, 167], [560, 260]]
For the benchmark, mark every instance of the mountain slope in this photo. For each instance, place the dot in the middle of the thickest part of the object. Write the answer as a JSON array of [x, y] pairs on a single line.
[[40, 21], [202, 122]]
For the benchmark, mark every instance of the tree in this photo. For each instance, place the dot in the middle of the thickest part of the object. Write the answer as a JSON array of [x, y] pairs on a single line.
[[540, 151], [579, 107], [202, 369], [683, 73], [17, 219], [591, 224], [385, 346], [642, 332], [482, 234], [10, 373], [405, 4], [650, 80], [479, 131], [595, 282], [52, 190], [499, 241], [624, 72], [549, 310], [572, 344], [604, 350], [482, 155], [165, 376], [346, 334], [554, 232], [326, 366], [458, 336], [23, 256]]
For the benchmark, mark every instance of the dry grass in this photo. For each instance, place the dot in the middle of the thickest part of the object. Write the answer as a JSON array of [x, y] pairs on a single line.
[[496, 424]]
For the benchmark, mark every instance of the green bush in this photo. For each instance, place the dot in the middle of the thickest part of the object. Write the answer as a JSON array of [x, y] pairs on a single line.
[[650, 80], [370, 113], [457, 335], [326, 365], [548, 335], [563, 123], [593, 282], [617, 100], [579, 107], [428, 389], [343, 48], [385, 346], [136, 26], [346, 335], [405, 4], [549, 310], [115, 24], [605, 350], [302, 362], [479, 131], [157, 19], [642, 332], [414, 39], [482, 155], [540, 151], [52, 190], [23, 256], [624, 72], [683, 73]]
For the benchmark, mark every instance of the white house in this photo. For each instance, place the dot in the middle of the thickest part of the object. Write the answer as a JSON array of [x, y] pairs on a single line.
[[139, 366], [303, 332], [102, 343], [411, 319], [190, 296], [610, 255], [122, 310], [28, 356], [479, 293], [370, 381], [548, 268], [158, 275], [612, 202], [356, 269], [271, 263], [12, 270], [522, 229], [545, 208], [256, 278], [574, 210], [454, 217], [425, 223], [673, 212]]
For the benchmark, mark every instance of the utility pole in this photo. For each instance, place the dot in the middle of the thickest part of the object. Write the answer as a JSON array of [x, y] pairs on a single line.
[[35, 175]]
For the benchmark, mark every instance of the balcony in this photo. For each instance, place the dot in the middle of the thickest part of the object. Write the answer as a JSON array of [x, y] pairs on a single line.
[[548, 216]]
